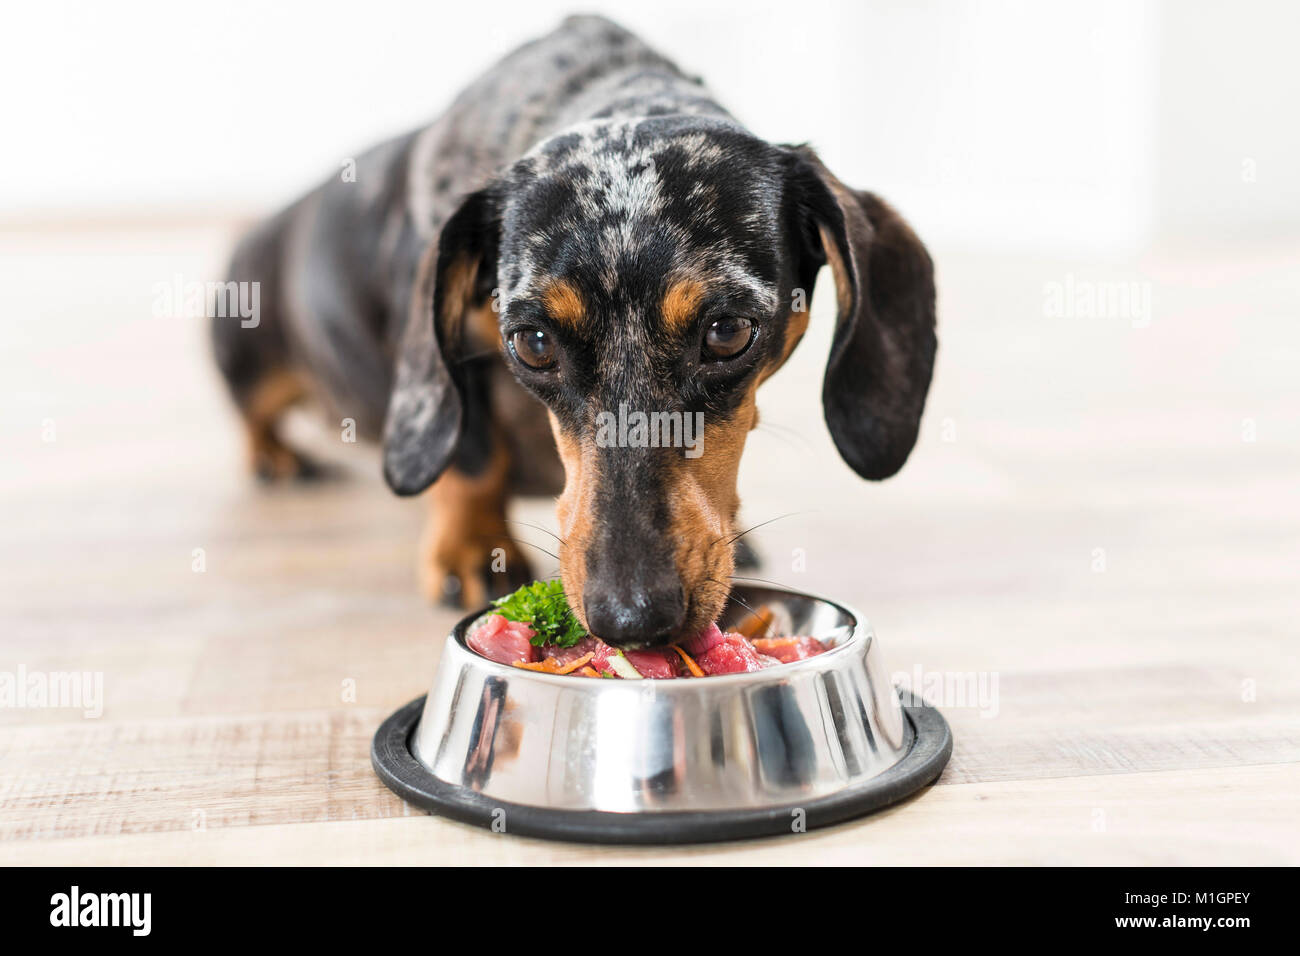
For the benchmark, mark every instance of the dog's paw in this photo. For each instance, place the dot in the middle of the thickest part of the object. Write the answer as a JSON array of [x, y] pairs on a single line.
[[471, 574], [273, 464]]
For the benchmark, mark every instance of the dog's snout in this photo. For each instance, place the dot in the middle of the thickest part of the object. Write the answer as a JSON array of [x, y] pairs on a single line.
[[628, 616]]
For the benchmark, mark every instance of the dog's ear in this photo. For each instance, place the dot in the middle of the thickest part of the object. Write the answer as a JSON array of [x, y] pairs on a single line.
[[428, 407], [882, 353]]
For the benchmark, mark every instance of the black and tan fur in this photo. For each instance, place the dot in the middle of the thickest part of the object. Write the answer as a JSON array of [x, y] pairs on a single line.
[[585, 187]]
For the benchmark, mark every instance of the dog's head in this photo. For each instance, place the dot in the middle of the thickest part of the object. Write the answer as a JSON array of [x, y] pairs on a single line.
[[646, 278]]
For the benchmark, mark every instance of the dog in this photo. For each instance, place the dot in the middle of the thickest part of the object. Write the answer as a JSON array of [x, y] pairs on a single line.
[[584, 230]]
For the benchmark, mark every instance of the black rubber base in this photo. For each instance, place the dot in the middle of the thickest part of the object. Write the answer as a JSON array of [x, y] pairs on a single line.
[[391, 756]]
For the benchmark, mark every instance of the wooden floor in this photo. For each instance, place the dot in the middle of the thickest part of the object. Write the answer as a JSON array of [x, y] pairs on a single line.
[[1100, 523]]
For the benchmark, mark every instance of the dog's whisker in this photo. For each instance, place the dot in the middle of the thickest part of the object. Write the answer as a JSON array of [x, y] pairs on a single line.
[[502, 537], [750, 577], [791, 436], [736, 537], [539, 528], [742, 602], [731, 594]]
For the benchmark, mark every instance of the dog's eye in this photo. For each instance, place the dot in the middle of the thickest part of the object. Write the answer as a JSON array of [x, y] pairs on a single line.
[[534, 348], [727, 338]]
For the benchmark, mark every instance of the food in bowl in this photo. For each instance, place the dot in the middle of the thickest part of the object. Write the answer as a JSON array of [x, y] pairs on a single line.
[[534, 629]]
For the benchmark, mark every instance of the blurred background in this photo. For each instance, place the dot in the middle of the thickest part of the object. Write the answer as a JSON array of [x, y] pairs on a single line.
[[1072, 125], [1101, 508]]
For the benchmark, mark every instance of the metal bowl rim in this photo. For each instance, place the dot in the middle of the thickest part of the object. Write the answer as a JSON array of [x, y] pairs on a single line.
[[860, 633], [395, 763]]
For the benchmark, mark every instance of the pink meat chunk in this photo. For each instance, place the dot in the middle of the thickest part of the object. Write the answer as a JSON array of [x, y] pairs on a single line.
[[600, 653], [787, 650], [701, 642], [716, 652], [503, 641], [658, 663], [733, 655]]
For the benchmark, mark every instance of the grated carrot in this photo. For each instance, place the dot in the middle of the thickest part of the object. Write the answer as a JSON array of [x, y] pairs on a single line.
[[553, 666], [589, 672], [691, 666], [765, 642], [756, 624], [574, 665]]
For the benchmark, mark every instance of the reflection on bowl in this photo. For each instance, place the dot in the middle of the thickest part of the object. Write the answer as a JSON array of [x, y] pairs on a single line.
[[795, 732]]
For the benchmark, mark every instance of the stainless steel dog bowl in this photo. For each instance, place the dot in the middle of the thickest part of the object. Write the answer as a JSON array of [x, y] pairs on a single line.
[[669, 761]]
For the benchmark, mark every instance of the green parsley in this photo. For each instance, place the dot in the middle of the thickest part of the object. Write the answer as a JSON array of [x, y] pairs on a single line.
[[543, 607]]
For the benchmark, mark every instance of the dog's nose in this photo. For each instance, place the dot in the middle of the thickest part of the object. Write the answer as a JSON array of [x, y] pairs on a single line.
[[625, 615]]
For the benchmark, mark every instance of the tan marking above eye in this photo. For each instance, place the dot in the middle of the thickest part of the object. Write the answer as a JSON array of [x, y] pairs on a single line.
[[681, 302], [563, 302]]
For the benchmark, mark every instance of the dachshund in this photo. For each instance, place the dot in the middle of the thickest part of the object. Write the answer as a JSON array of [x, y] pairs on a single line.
[[584, 231]]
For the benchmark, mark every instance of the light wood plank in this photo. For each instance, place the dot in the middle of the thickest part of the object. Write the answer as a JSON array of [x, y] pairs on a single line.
[[85, 779], [1133, 819], [1164, 690]]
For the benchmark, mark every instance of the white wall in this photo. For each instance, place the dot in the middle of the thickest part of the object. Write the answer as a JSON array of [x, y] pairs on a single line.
[[1228, 139], [1079, 124]]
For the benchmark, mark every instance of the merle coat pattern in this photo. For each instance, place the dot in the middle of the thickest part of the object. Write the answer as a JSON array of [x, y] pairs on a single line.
[[587, 198]]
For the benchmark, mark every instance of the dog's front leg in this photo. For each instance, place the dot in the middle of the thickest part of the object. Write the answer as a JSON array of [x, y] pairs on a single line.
[[468, 556]]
